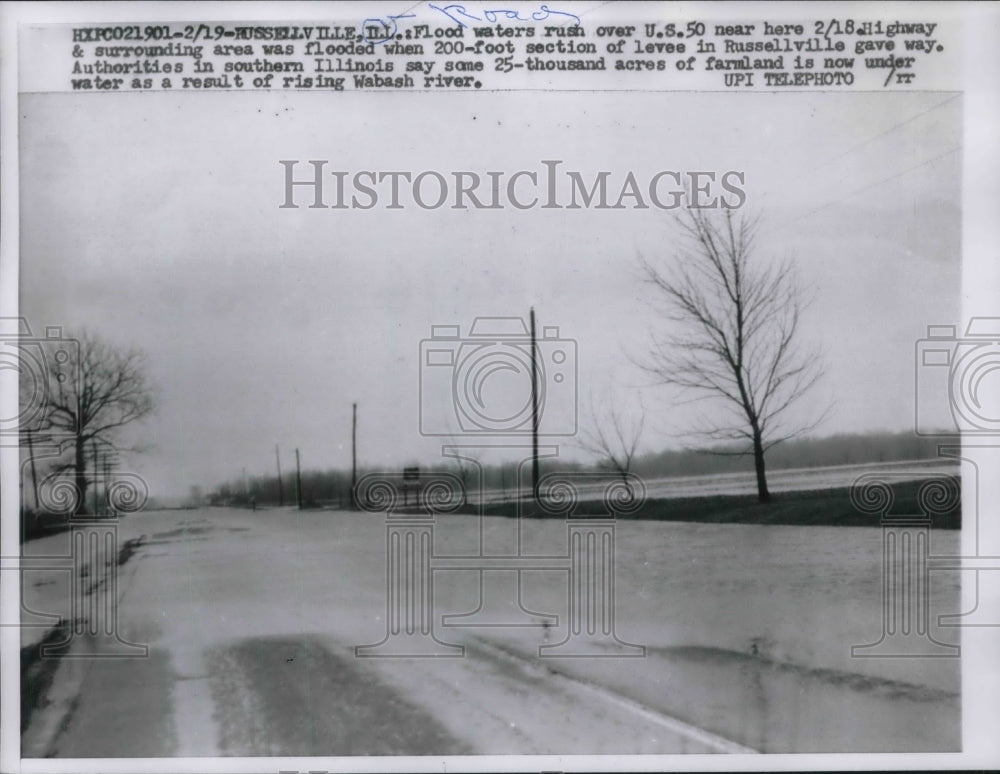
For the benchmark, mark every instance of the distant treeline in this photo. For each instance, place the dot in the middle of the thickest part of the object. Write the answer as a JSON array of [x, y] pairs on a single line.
[[333, 486], [797, 453]]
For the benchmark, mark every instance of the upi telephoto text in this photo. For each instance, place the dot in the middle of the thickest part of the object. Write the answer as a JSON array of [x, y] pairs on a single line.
[[311, 185]]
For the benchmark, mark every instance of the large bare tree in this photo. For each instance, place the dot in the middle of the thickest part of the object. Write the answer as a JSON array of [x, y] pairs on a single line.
[[92, 395], [733, 336]]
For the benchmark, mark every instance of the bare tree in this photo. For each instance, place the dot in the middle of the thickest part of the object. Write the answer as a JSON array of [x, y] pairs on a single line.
[[734, 335], [612, 434], [92, 395]]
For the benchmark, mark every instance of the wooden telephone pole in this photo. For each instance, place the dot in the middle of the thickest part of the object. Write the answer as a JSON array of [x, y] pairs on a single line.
[[34, 473], [298, 481], [93, 448], [354, 454], [281, 491], [534, 409]]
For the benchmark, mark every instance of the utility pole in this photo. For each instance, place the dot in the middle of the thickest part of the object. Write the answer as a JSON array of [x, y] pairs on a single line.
[[534, 410], [281, 491], [354, 454], [34, 473], [93, 448], [107, 480], [298, 481]]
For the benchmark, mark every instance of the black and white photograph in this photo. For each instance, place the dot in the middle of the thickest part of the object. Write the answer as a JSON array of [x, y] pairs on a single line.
[[537, 387]]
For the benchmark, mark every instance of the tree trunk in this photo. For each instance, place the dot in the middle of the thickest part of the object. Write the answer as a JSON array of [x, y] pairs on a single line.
[[80, 476], [763, 496], [627, 484]]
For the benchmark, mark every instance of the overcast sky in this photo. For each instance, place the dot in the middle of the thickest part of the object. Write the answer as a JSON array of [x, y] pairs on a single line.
[[153, 219]]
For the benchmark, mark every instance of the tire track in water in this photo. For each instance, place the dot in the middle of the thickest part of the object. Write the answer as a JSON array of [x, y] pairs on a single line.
[[291, 696]]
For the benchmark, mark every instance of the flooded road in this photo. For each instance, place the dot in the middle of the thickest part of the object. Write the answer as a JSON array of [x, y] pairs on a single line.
[[252, 620]]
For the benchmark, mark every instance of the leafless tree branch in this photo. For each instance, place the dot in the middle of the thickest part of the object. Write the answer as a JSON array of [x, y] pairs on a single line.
[[734, 334], [93, 391], [612, 434]]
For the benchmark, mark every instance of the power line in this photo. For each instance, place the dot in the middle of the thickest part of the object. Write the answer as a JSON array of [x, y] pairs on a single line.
[[892, 128], [854, 193]]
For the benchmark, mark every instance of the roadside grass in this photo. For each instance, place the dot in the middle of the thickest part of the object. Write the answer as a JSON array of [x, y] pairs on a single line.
[[821, 507]]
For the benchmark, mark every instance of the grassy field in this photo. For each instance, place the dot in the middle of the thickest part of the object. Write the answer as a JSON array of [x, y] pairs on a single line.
[[822, 507], [819, 507]]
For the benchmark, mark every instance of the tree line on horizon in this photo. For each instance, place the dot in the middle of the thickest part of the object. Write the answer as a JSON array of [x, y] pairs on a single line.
[[729, 346], [333, 486]]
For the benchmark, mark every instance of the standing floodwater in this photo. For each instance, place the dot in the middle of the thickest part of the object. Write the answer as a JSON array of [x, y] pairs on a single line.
[[747, 633]]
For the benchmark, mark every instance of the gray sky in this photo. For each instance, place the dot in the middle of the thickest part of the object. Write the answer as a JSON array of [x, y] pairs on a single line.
[[153, 219]]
